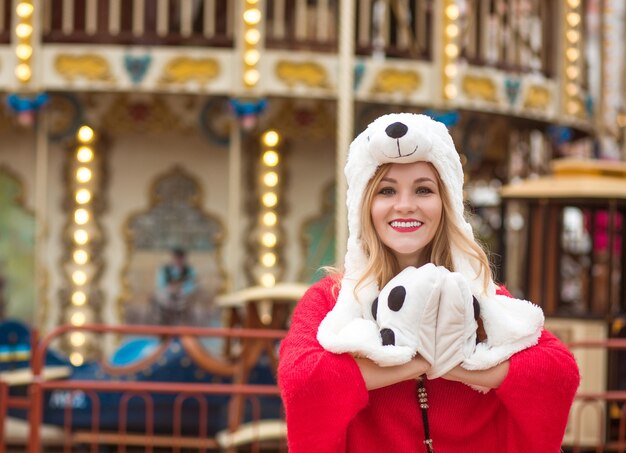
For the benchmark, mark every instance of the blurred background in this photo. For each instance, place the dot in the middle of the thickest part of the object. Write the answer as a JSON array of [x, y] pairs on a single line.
[[173, 169]]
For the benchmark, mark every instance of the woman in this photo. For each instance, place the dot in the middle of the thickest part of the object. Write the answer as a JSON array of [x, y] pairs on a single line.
[[405, 209]]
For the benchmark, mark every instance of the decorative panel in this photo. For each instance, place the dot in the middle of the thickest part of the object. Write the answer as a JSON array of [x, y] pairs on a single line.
[[318, 238], [175, 219], [17, 249]]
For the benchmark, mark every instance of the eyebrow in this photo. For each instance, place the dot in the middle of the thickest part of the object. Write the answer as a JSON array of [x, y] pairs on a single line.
[[418, 180]]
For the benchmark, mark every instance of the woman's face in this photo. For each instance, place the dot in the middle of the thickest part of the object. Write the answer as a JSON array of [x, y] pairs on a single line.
[[406, 210]]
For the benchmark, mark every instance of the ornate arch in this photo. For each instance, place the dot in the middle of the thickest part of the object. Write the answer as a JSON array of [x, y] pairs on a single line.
[[17, 250], [175, 218]]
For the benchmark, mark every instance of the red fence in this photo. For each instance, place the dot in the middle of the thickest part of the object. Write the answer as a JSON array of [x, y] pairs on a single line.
[[238, 391], [615, 440], [254, 432]]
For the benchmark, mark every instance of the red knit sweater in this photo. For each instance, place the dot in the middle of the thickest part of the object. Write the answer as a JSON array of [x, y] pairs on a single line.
[[329, 410]]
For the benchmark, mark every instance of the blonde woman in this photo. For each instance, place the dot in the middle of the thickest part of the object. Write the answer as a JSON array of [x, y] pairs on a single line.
[[483, 375]]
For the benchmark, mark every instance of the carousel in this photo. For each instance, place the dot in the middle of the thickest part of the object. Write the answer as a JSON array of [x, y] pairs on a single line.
[[131, 129]]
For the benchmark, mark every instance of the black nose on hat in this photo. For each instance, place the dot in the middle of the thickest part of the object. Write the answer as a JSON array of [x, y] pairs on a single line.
[[396, 130]]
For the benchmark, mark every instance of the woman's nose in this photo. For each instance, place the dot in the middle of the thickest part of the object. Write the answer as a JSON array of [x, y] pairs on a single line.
[[406, 202]]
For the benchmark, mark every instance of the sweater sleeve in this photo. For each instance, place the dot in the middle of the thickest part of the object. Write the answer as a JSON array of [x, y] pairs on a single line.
[[538, 393], [321, 391]]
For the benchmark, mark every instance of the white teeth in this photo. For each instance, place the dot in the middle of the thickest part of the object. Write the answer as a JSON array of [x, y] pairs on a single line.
[[397, 224]]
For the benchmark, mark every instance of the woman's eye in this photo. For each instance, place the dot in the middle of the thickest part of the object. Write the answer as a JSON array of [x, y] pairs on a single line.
[[423, 190], [386, 191]]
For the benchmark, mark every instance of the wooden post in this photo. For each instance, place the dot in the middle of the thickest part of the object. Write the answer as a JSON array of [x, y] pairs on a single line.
[[41, 216], [345, 118], [234, 208]]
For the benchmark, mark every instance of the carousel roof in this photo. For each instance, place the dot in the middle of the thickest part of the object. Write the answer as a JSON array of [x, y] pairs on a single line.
[[575, 179]]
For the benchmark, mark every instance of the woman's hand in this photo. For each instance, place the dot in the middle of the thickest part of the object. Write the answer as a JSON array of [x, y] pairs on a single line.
[[490, 378], [376, 376]]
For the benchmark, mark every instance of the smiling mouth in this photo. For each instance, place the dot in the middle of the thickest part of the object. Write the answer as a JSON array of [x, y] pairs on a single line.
[[405, 226]]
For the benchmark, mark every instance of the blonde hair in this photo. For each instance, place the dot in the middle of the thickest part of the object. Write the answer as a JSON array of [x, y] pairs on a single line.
[[382, 265]]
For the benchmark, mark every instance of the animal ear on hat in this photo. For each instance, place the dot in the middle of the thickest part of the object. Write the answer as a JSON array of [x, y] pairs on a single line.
[[356, 153]]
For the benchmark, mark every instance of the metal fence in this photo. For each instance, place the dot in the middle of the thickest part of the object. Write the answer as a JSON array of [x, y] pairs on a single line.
[[189, 401]]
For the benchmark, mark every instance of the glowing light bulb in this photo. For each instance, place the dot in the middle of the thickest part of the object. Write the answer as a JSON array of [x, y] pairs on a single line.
[[270, 199], [251, 57], [572, 89], [84, 154], [252, 16], [452, 50], [270, 158], [81, 216], [85, 134], [268, 259], [77, 358], [77, 339], [83, 174], [270, 179], [81, 237], [78, 318], [271, 139], [252, 36], [23, 51], [451, 70], [268, 280], [79, 277], [24, 10], [80, 257], [270, 218], [269, 239], [79, 298], [573, 36], [572, 54], [452, 11], [23, 31], [23, 72], [573, 19], [572, 72], [452, 30], [450, 91], [572, 107], [251, 77], [83, 196]]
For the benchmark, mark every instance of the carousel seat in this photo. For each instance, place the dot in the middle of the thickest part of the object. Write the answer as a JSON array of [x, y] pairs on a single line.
[[24, 376], [262, 431]]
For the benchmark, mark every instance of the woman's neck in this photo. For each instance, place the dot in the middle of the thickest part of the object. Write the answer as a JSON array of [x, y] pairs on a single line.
[[404, 262]]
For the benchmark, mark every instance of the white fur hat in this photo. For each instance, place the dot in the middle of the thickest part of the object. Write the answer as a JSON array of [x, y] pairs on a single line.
[[405, 138]]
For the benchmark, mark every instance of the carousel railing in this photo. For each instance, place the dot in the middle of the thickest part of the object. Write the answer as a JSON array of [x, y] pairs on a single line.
[[399, 29], [298, 24], [611, 428], [395, 28], [252, 433], [8, 402], [519, 36], [609, 408], [514, 35], [139, 22]]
